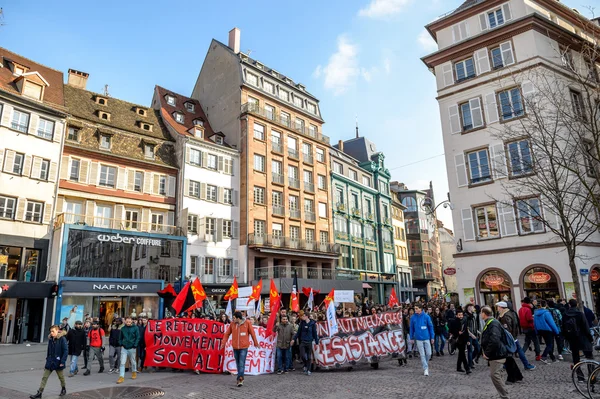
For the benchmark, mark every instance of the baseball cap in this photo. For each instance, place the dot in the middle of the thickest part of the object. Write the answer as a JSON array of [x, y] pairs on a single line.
[[502, 304]]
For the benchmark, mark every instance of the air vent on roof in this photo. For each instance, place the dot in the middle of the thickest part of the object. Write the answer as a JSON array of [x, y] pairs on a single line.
[[259, 65]]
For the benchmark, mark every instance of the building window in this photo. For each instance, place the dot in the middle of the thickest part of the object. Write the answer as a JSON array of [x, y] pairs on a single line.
[[20, 121], [298, 102], [198, 122], [259, 132], [299, 125], [212, 161], [464, 69], [277, 230], [495, 18], [259, 227], [192, 223], [322, 210], [228, 166], [218, 139], [355, 229], [294, 233], [502, 55], [74, 173], [284, 118], [369, 232], [320, 154], [410, 203], [479, 166], [209, 265], [322, 182], [292, 144], [193, 265], [530, 216], [294, 202], [338, 168], [270, 112], [158, 221], [308, 177], [107, 176], [324, 237], [355, 201], [519, 155], [259, 195], [268, 87], [471, 114], [195, 157], [353, 175], [511, 103], [210, 226], [259, 163], [309, 235], [138, 181], [211, 193], [228, 196], [162, 185], [307, 151], [189, 106], [578, 104], [8, 206], [339, 196], [171, 100], [194, 189], [227, 228], [309, 205], [149, 151], [131, 219], [226, 268], [486, 221], [45, 129], [105, 141], [339, 224], [284, 95], [34, 211], [293, 173], [179, 117], [366, 180], [103, 216], [312, 108], [73, 134], [44, 168], [252, 79]]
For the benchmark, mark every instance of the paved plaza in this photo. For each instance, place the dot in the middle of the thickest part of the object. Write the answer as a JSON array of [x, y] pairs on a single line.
[[21, 371]]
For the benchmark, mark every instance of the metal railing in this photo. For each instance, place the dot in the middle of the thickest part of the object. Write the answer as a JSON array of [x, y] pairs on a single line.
[[310, 187], [278, 178], [293, 153], [294, 183], [295, 213], [310, 216], [283, 120], [268, 240], [419, 273], [308, 158], [116, 224], [315, 273], [277, 147], [278, 210]]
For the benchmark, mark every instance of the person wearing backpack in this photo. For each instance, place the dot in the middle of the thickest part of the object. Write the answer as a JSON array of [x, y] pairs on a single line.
[[557, 316], [493, 346], [96, 336], [577, 332], [545, 326], [508, 319]]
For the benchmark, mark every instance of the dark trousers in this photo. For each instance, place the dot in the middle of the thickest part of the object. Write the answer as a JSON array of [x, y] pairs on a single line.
[[141, 353], [560, 343], [549, 340], [531, 336], [575, 348], [86, 356], [462, 357], [306, 354]]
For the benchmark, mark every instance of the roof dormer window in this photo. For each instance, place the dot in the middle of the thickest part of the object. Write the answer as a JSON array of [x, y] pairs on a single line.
[[104, 115], [101, 100], [19, 71], [105, 141], [198, 132], [145, 126], [198, 122], [252, 79], [149, 151], [171, 100], [298, 101], [179, 117], [218, 139], [32, 90], [189, 106], [141, 111]]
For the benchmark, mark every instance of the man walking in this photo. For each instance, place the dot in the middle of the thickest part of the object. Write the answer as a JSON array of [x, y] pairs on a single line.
[[577, 332], [56, 359], [458, 331], [285, 332], [527, 327], [494, 349], [307, 333], [508, 319], [473, 349], [421, 331], [128, 341], [96, 336], [545, 326], [114, 351], [240, 330], [77, 340]]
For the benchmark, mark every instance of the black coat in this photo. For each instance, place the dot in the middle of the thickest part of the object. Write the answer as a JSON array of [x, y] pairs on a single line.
[[455, 326], [492, 340], [584, 339], [76, 338], [57, 353], [439, 324]]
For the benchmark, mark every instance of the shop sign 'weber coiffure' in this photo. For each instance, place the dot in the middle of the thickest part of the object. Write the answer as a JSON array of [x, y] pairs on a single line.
[[117, 238]]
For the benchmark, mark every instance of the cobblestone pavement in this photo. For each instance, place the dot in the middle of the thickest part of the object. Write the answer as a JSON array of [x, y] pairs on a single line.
[[21, 372]]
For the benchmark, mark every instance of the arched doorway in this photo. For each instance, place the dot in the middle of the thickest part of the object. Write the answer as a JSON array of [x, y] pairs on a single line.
[[494, 285], [540, 282], [595, 287]]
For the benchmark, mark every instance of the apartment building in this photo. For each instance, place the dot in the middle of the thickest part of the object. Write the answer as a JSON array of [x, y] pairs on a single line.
[[115, 218], [485, 67], [403, 270], [362, 217], [207, 195], [447, 251], [32, 124], [284, 165]]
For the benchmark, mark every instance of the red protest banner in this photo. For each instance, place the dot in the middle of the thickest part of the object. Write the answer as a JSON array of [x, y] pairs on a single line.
[[185, 344]]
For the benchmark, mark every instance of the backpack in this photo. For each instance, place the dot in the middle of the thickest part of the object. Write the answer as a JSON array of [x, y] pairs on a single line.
[[570, 327], [510, 345], [556, 316]]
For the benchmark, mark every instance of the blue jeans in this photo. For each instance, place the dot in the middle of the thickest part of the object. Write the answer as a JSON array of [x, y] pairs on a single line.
[[73, 367], [438, 338], [424, 348], [240, 361], [289, 359], [282, 359], [124, 354], [522, 356], [474, 347]]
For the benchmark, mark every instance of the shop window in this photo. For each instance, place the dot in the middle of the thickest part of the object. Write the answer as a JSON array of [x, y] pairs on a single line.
[[10, 259], [540, 283]]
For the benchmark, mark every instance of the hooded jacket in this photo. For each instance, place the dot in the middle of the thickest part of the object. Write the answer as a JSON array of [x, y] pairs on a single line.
[[421, 327], [526, 316], [57, 353], [76, 338], [543, 321], [584, 339], [130, 337], [240, 334], [509, 321], [307, 332]]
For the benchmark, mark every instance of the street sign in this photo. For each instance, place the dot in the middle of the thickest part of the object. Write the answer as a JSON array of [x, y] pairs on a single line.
[[450, 271], [584, 272]]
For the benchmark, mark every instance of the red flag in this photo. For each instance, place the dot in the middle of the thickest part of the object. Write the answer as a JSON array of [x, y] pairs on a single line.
[[275, 303], [255, 296], [184, 300], [167, 292], [328, 299], [233, 291], [393, 299], [294, 299], [199, 294], [306, 291]]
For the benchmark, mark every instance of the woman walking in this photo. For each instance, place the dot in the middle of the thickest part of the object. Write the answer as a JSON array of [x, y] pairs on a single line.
[[56, 358], [439, 327]]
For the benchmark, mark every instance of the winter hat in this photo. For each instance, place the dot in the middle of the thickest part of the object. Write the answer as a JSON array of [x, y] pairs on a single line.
[[502, 304]]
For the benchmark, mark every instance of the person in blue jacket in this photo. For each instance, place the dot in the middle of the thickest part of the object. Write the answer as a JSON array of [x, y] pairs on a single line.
[[56, 359], [421, 331], [545, 326]]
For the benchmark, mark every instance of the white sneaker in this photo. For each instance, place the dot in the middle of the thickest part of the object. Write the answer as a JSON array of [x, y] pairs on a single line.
[[560, 357], [426, 372]]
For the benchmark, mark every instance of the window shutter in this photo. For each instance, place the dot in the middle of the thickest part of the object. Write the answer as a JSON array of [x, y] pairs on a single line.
[[186, 188], [499, 166], [219, 229], [476, 114], [47, 217], [171, 186], [506, 217], [60, 203], [58, 131], [483, 22], [156, 183], [147, 183], [84, 166], [36, 168], [461, 170], [482, 61], [464, 30], [467, 224], [2, 157], [204, 157], [220, 195], [90, 208], [119, 215], [528, 90], [200, 266], [491, 109], [34, 121], [94, 174], [27, 166], [234, 197], [145, 219], [236, 269], [130, 179], [9, 161], [507, 53], [235, 232], [203, 191], [187, 154], [506, 12], [121, 179], [455, 33], [65, 166], [454, 119], [53, 171], [7, 111], [220, 164], [448, 74], [171, 218], [219, 266], [550, 215]]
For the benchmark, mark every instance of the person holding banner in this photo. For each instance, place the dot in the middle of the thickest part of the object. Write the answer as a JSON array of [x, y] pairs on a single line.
[[307, 333], [285, 332], [240, 331]]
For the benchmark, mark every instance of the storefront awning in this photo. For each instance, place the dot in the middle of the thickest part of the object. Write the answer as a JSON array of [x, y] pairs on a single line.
[[25, 289], [367, 286]]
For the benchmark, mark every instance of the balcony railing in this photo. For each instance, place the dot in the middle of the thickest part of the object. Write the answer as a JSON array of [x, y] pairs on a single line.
[[294, 183], [283, 120], [264, 240], [370, 216], [308, 158], [310, 216], [278, 178], [314, 273], [340, 207], [310, 187], [277, 147], [419, 273], [295, 213], [116, 224], [279, 210], [293, 153]]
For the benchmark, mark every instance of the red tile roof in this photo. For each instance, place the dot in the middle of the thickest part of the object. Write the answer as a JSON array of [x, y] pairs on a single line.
[[53, 94]]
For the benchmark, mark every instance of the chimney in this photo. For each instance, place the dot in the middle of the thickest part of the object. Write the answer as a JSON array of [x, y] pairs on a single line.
[[234, 40], [341, 146], [77, 79]]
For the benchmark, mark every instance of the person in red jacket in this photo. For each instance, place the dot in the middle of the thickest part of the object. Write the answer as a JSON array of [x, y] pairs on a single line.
[[96, 336], [526, 321], [241, 330]]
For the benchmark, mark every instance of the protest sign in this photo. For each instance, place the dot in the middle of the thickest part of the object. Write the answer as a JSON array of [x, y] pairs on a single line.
[[185, 344], [369, 339], [260, 360], [343, 296]]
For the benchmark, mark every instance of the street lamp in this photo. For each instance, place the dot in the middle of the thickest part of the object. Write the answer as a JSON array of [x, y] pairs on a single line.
[[427, 204]]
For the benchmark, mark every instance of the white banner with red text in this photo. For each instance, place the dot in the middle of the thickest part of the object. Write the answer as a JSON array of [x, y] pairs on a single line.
[[259, 360]]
